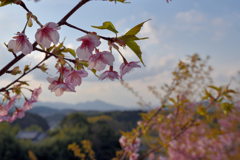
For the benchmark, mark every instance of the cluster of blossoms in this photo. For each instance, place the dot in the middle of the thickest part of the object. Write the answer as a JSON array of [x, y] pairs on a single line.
[[69, 77], [219, 141], [44, 36], [130, 146], [19, 113], [68, 80], [87, 55], [99, 60]]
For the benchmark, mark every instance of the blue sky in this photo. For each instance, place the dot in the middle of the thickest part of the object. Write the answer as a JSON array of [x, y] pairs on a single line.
[[176, 29]]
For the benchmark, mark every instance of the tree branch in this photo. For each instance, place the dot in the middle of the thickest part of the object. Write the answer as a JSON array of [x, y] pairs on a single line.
[[18, 58], [5, 88], [82, 30], [64, 19]]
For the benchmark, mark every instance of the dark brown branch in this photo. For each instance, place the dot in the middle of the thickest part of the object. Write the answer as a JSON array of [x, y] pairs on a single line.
[[51, 54], [10, 64], [24, 6], [64, 19], [5, 88], [18, 58], [82, 30]]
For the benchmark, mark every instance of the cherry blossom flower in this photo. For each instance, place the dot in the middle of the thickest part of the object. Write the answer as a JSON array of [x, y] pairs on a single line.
[[123, 141], [59, 87], [4, 110], [18, 114], [99, 60], [89, 42], [13, 100], [133, 156], [74, 78], [136, 143], [36, 92], [21, 44], [65, 70], [47, 34], [109, 74], [127, 67], [28, 104], [5, 118]]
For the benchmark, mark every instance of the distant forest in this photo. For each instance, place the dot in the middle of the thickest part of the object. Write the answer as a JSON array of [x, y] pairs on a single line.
[[102, 128]]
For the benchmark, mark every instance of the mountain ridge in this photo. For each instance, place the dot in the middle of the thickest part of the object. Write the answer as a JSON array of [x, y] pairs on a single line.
[[96, 105]]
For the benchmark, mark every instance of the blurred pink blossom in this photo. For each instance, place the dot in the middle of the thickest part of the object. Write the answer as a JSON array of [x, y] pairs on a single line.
[[74, 78], [127, 67], [59, 87], [21, 44], [47, 34], [109, 74], [89, 42], [99, 60]]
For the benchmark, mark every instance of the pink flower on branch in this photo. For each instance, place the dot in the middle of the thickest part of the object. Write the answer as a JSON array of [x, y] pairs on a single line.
[[21, 44], [89, 42], [36, 92], [4, 110], [47, 34], [5, 118], [99, 60], [28, 104], [65, 70], [18, 114], [133, 156], [74, 78], [13, 100], [59, 87], [123, 141], [111, 74], [127, 67]]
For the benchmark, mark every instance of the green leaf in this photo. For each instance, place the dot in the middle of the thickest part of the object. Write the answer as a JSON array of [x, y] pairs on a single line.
[[26, 68], [122, 1], [231, 91], [172, 100], [43, 67], [107, 25], [23, 83], [5, 2], [136, 49], [50, 49], [213, 87], [15, 71], [136, 29], [131, 38], [71, 51], [227, 107], [5, 44], [85, 63]]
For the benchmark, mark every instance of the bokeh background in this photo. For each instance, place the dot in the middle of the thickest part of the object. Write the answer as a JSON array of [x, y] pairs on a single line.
[[176, 29]]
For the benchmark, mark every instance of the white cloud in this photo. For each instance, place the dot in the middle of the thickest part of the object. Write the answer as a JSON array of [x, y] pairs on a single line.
[[152, 32], [120, 23], [218, 22], [191, 16], [218, 35], [157, 62]]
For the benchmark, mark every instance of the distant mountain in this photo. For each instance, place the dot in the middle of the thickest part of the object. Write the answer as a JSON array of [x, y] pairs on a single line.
[[87, 106]]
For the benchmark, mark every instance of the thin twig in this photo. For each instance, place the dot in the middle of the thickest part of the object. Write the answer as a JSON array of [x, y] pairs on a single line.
[[25, 73], [65, 18], [82, 30], [18, 58]]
